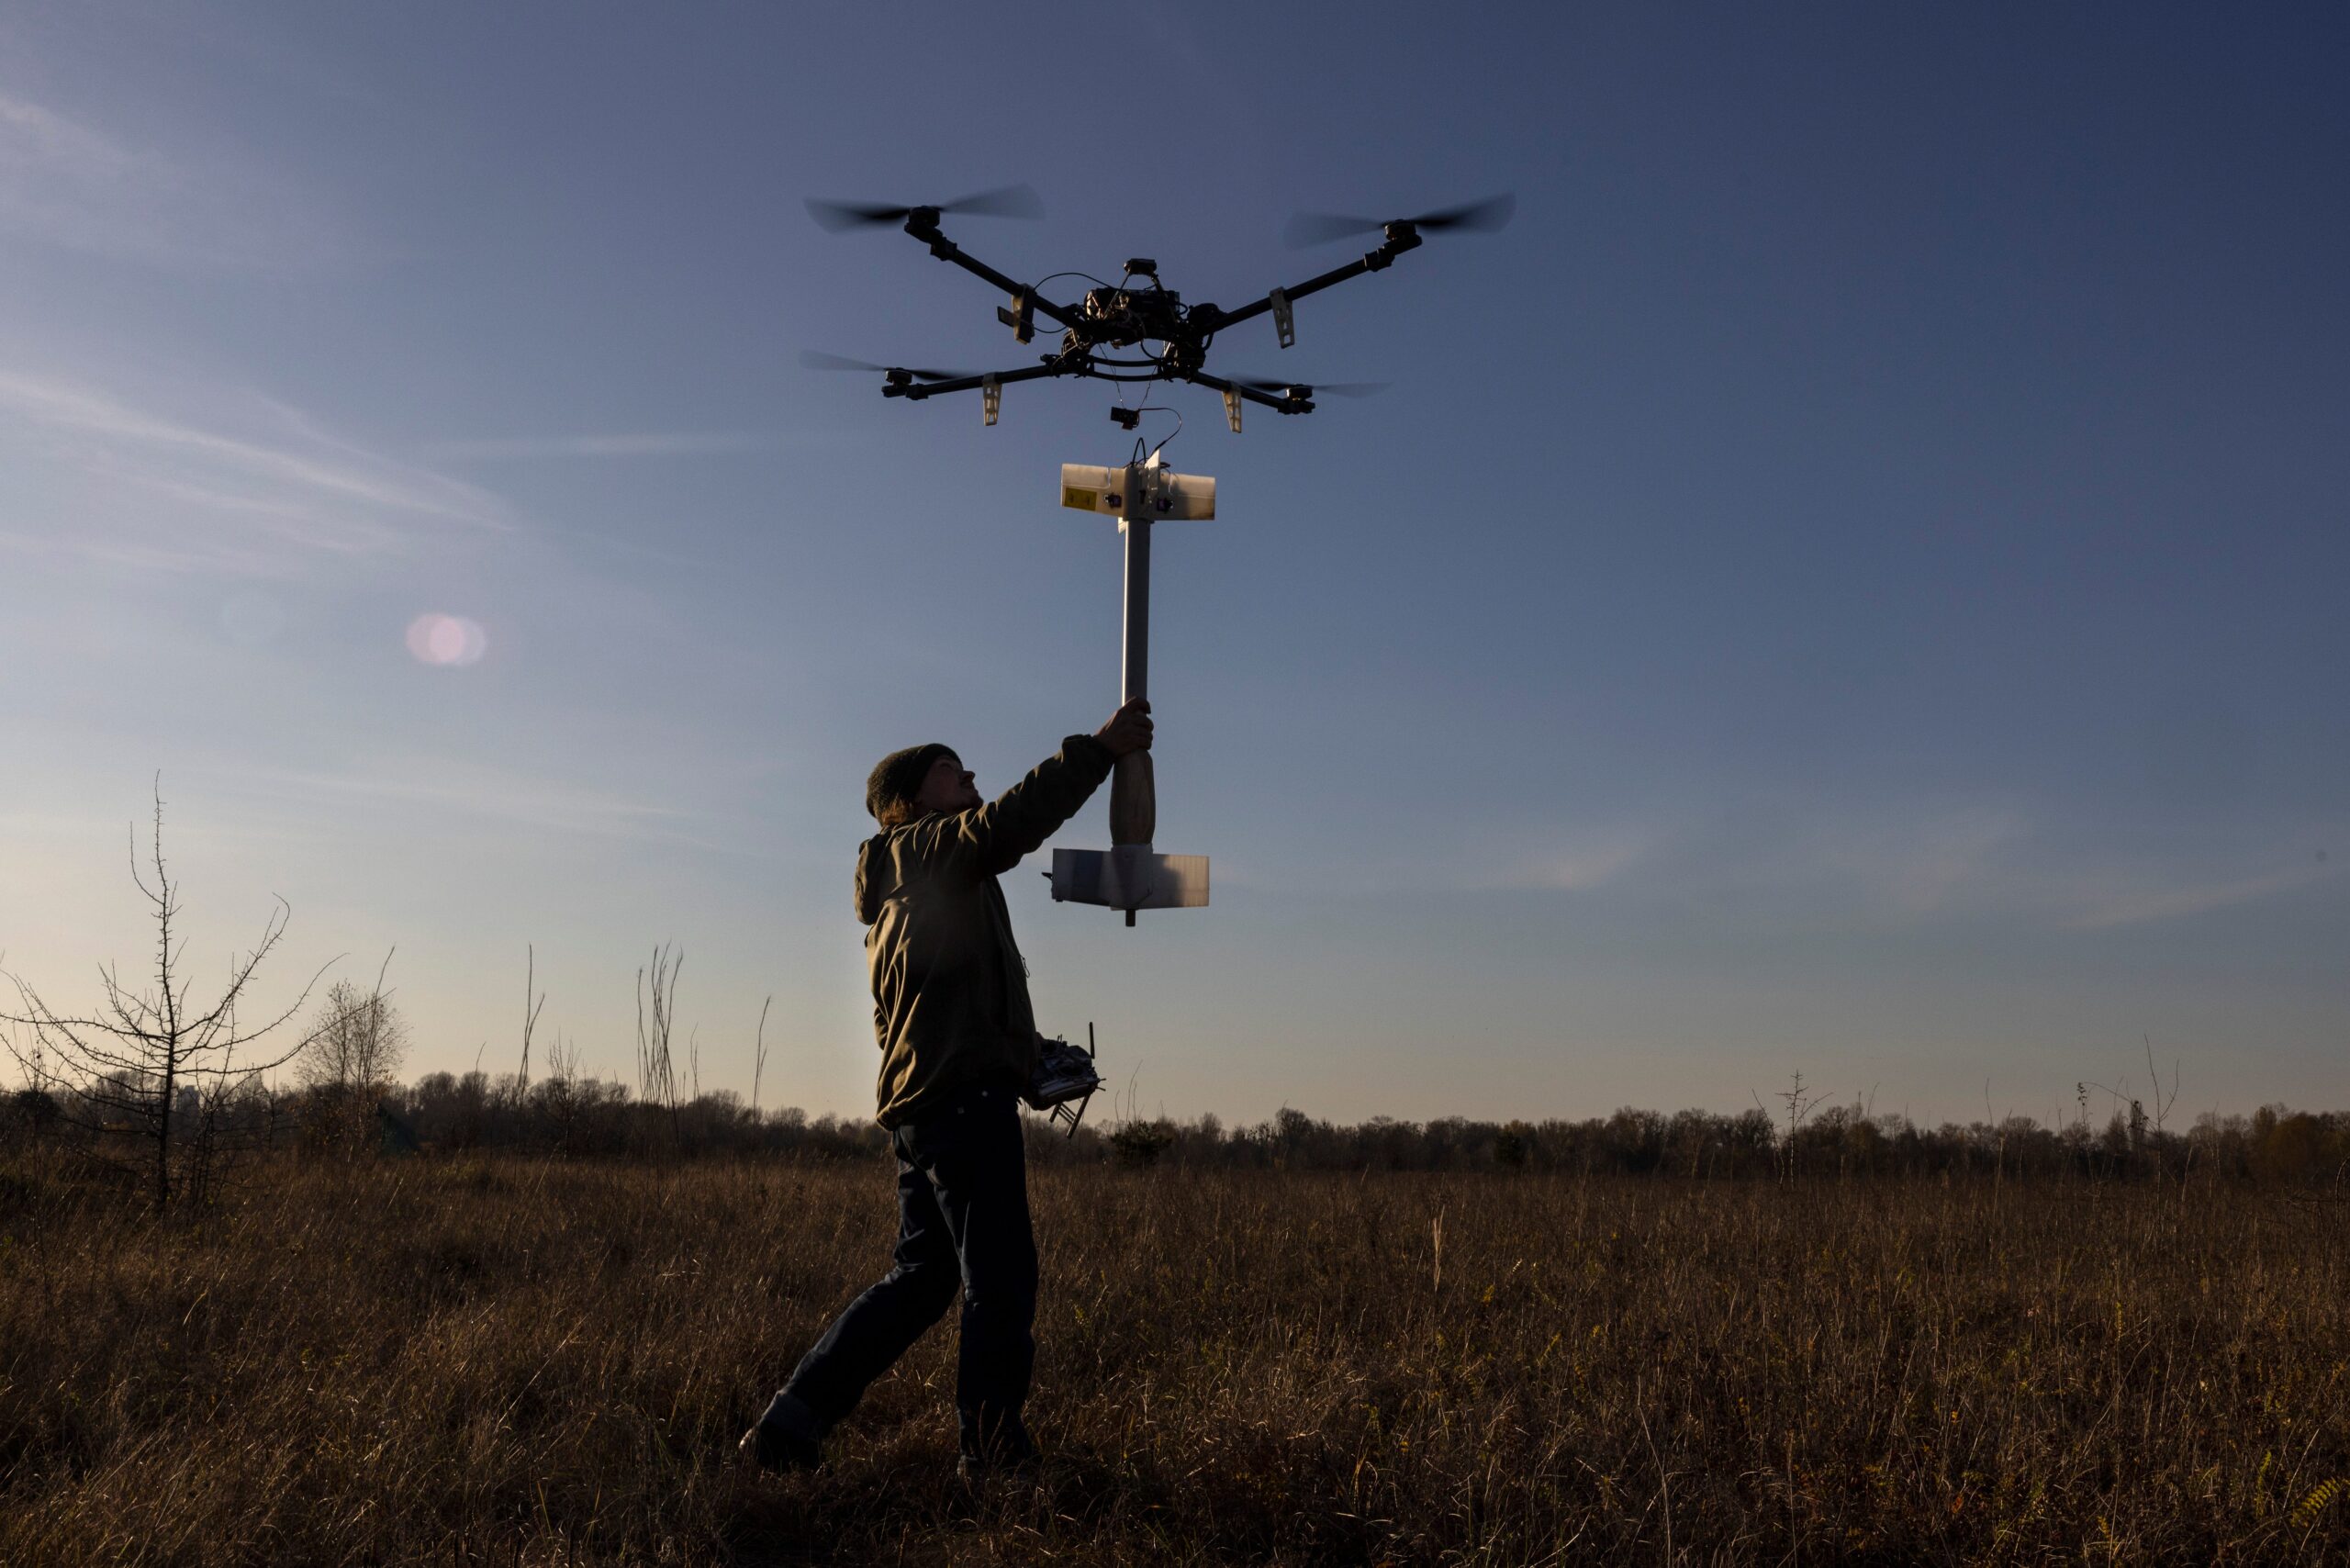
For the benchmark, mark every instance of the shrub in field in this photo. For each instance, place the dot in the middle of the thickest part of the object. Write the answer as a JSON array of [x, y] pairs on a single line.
[[1139, 1143]]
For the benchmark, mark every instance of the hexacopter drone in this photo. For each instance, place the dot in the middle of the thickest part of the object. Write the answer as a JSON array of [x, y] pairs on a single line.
[[1168, 337]]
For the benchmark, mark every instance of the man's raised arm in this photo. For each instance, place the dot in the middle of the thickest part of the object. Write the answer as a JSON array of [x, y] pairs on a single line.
[[994, 836]]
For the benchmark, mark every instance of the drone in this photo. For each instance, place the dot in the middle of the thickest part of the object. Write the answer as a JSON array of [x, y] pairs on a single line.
[[1136, 330]]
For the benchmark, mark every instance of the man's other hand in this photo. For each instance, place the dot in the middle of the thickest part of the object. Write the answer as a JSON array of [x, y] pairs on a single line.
[[1127, 730]]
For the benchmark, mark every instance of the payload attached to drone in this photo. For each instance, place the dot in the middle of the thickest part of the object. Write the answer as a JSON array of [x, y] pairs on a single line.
[[1161, 338], [1131, 875]]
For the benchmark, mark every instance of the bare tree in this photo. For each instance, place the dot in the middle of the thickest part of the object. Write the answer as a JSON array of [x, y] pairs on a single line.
[[153, 1067], [352, 1052], [556, 1101], [359, 1040]]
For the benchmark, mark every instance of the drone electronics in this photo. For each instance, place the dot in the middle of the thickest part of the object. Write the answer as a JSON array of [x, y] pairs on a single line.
[[1138, 318]]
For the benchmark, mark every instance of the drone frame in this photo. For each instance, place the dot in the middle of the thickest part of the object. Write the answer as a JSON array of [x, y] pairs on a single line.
[[1186, 347]]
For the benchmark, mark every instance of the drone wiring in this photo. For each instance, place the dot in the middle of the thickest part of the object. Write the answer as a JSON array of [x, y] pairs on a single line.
[[1157, 408], [1089, 278]]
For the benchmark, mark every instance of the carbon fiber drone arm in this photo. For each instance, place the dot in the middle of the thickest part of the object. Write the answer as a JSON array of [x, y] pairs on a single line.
[[1400, 238], [946, 249], [1279, 404], [915, 391]]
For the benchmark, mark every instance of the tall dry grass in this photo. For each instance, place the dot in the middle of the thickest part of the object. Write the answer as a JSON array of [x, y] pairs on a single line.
[[547, 1363]]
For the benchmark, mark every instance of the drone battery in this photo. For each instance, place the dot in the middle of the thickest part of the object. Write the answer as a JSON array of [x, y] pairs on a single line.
[[1130, 878]]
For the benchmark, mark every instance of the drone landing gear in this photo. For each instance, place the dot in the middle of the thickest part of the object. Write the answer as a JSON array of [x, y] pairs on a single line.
[[1020, 316]]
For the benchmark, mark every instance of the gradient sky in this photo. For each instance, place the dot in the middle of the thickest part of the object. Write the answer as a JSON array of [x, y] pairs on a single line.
[[1851, 581]]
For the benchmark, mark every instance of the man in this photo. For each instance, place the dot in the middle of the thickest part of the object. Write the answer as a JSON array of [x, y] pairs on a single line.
[[958, 1042]]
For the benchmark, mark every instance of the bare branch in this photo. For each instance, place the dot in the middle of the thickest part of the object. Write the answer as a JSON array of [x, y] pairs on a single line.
[[531, 1008], [759, 1060]]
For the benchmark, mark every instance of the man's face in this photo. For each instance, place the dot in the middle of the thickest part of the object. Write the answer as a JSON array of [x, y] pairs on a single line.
[[947, 787]]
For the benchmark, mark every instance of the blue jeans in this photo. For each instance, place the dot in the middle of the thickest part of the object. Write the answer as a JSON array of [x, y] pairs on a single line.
[[963, 1223]]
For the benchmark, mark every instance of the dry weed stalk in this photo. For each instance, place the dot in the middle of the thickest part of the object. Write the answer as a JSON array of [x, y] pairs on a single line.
[[656, 1068], [533, 1002], [759, 1055]]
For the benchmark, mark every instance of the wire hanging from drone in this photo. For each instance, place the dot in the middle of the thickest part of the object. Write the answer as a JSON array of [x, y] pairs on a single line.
[[1138, 458]]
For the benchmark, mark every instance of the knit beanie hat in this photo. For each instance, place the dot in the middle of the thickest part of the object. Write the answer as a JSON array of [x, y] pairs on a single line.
[[896, 779]]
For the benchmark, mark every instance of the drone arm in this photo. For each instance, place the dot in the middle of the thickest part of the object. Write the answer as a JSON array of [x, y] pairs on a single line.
[[915, 391], [946, 249], [1271, 400], [1377, 261]]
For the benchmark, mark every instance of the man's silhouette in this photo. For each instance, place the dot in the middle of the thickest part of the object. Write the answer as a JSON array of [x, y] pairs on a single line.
[[958, 1043]]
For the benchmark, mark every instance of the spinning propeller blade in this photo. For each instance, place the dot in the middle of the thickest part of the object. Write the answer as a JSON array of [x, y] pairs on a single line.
[[1310, 388], [815, 359], [1005, 201], [1474, 218]]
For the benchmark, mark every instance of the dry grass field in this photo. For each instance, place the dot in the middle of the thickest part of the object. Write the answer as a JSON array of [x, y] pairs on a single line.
[[437, 1361]]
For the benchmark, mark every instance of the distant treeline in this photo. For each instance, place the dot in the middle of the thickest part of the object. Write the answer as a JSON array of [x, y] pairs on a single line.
[[2273, 1144], [592, 1118]]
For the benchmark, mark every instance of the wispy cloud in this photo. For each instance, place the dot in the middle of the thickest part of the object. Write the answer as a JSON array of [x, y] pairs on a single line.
[[1899, 864], [1996, 862], [345, 473], [646, 443], [1921, 862], [441, 786], [2145, 905], [68, 183], [1575, 866], [1993, 861], [103, 476]]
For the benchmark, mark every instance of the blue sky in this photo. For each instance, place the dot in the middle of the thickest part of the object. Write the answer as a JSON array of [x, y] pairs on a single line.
[[1850, 581]]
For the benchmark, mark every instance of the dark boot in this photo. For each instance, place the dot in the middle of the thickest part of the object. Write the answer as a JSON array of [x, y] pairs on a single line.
[[786, 1438], [1009, 1451]]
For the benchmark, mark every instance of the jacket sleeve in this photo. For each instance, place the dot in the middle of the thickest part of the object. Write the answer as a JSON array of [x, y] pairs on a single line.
[[990, 840]]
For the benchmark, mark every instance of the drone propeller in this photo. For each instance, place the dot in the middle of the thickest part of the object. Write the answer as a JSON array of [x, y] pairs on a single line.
[[814, 360], [1007, 201], [1310, 389], [1475, 218]]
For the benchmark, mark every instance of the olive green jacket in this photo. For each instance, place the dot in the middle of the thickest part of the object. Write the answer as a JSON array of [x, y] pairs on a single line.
[[950, 991]]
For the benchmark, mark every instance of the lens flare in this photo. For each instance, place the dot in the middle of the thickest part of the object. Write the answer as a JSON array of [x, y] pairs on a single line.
[[436, 639]]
